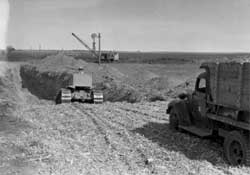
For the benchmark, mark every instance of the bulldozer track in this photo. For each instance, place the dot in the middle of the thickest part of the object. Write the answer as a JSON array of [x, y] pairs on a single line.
[[96, 123], [102, 123]]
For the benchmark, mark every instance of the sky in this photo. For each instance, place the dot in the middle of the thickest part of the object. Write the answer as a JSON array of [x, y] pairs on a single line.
[[4, 15], [132, 25]]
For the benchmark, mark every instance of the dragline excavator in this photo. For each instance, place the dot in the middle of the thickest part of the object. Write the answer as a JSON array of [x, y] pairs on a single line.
[[83, 43], [104, 57]]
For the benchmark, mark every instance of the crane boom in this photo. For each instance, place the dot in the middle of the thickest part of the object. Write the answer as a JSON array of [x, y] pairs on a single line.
[[83, 43]]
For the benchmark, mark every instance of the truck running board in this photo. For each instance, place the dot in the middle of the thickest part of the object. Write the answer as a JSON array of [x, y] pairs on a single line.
[[197, 131]]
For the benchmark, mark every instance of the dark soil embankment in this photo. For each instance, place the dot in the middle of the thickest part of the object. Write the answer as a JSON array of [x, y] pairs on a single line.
[[9, 95], [45, 78], [115, 91], [44, 85], [12, 95]]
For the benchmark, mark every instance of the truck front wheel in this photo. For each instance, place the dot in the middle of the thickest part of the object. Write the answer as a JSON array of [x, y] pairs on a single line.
[[236, 149], [173, 120]]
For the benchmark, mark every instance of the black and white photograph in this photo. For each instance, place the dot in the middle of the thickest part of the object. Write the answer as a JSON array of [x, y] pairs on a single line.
[[124, 87]]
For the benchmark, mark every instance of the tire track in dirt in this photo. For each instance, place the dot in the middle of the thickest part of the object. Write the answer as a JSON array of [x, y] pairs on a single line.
[[146, 149], [121, 140], [106, 130], [127, 137], [135, 117], [106, 116], [140, 115], [96, 123]]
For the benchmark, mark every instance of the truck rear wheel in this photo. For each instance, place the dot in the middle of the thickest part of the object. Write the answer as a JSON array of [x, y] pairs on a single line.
[[236, 149], [173, 120]]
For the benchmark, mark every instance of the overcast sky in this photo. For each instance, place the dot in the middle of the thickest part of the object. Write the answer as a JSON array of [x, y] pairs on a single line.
[[146, 25], [4, 10]]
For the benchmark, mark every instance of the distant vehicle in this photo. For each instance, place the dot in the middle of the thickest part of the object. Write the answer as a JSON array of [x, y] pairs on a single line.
[[80, 89], [219, 106], [110, 57]]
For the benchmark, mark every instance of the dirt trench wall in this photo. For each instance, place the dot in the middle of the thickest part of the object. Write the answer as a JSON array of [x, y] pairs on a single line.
[[44, 79], [43, 84], [11, 93], [46, 84]]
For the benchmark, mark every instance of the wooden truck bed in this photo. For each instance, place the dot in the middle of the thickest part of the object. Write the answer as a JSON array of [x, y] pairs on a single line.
[[229, 83]]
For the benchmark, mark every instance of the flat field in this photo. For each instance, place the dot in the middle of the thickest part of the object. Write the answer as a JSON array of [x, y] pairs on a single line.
[[131, 57]]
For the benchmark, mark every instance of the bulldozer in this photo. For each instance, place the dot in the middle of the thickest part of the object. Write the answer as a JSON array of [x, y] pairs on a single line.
[[219, 107], [80, 89]]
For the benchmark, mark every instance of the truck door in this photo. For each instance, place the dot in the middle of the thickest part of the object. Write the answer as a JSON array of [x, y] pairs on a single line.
[[199, 102]]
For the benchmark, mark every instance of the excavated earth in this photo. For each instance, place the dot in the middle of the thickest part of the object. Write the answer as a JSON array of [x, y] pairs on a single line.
[[124, 82], [39, 137], [45, 78]]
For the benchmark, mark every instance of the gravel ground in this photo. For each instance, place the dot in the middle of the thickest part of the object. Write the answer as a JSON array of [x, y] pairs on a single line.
[[113, 138]]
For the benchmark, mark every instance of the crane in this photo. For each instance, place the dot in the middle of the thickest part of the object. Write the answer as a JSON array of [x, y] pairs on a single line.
[[105, 57], [83, 43]]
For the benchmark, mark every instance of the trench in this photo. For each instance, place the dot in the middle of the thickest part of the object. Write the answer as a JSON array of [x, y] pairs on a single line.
[[44, 79]]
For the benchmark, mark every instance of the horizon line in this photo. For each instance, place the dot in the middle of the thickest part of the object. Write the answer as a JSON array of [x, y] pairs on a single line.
[[138, 51]]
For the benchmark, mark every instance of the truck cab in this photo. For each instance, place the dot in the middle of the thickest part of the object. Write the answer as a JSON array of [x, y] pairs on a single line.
[[191, 107]]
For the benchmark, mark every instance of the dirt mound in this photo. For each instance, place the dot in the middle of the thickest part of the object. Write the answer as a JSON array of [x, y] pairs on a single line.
[[185, 87], [45, 78], [117, 91], [59, 63], [125, 83]]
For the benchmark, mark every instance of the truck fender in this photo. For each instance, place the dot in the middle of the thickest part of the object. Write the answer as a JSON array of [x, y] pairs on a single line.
[[171, 105], [182, 110]]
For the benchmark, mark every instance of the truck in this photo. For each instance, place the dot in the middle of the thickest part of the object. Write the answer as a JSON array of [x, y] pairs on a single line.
[[219, 106]]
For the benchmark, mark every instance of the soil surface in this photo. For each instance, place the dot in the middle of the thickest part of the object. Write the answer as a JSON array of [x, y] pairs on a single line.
[[39, 137], [119, 82]]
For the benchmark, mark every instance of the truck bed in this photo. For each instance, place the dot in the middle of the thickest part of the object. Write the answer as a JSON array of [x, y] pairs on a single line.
[[229, 83]]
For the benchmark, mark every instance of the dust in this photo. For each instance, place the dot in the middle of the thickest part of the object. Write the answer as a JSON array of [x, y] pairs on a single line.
[[3, 63], [4, 18]]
